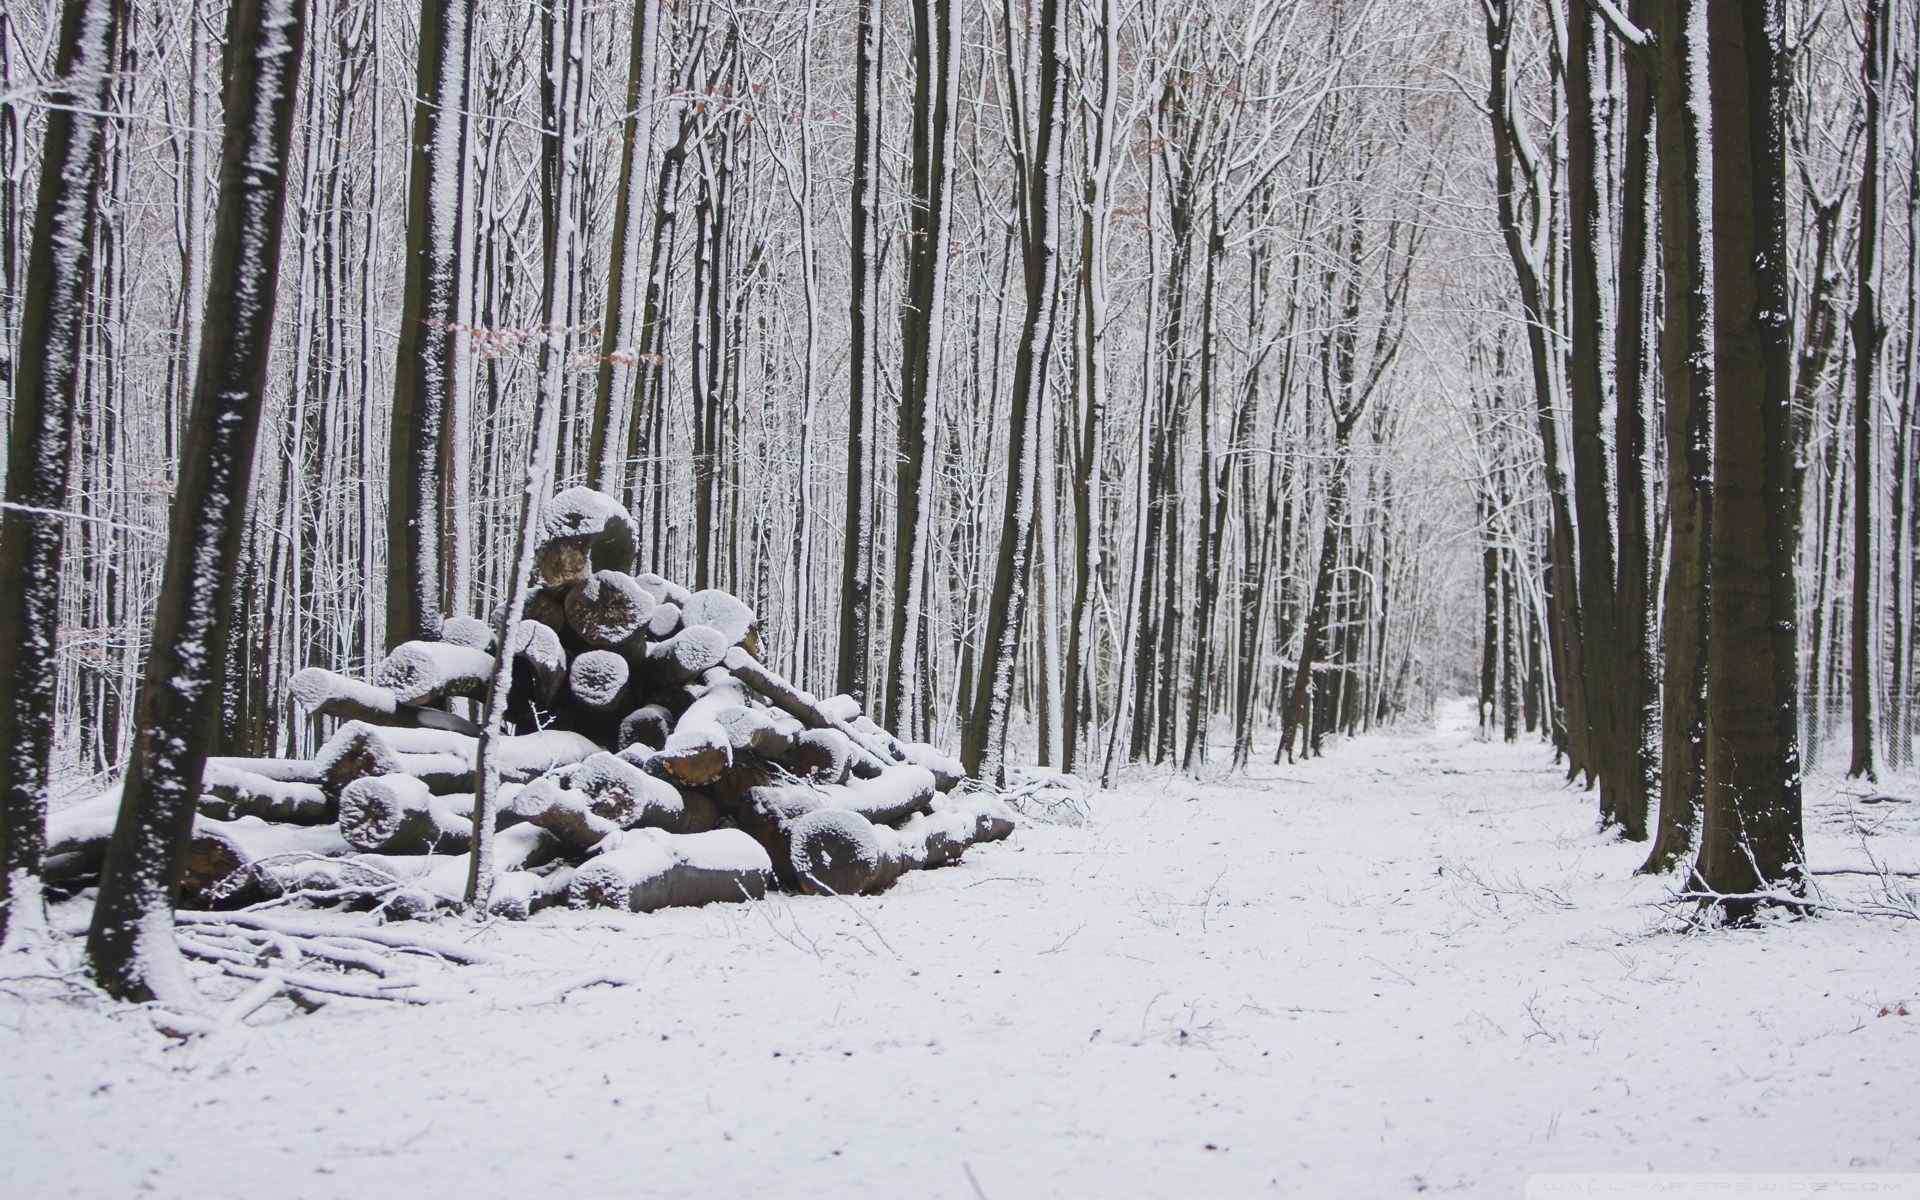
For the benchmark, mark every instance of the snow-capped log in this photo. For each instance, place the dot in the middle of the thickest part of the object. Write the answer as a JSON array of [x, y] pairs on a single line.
[[643, 870], [325, 693], [231, 863], [607, 608], [699, 750], [819, 755], [941, 836], [399, 814], [539, 661], [870, 755], [568, 815], [637, 798], [230, 793], [758, 731], [766, 813], [598, 680], [517, 895], [686, 655], [947, 771], [77, 837], [582, 531], [723, 611], [428, 672], [664, 621], [286, 770], [547, 608], [442, 760], [470, 632], [839, 851], [889, 797], [646, 726], [411, 887], [664, 590]]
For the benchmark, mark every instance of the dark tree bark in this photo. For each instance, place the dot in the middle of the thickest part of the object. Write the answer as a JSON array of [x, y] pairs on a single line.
[[426, 366], [984, 746], [1589, 380], [59, 276], [1751, 839], [1687, 369], [131, 944], [1638, 661], [1868, 334], [856, 570]]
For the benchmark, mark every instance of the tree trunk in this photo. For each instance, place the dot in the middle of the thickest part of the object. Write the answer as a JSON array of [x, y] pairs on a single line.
[[1868, 334], [47, 376], [425, 367], [1687, 367], [856, 579], [130, 943], [1751, 839]]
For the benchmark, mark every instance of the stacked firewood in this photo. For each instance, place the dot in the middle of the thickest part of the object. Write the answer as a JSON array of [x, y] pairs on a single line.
[[653, 760]]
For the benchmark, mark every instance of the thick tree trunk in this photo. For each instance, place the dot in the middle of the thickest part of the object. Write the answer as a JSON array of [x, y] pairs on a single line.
[[47, 376], [131, 944], [1751, 840]]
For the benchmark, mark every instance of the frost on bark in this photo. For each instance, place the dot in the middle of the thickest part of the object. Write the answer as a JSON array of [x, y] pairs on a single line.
[[984, 746], [856, 579], [1682, 129], [1751, 838], [616, 381], [426, 366], [1868, 334], [131, 943], [59, 276]]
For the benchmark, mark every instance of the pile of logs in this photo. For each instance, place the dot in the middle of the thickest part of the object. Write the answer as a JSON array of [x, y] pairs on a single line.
[[653, 760]]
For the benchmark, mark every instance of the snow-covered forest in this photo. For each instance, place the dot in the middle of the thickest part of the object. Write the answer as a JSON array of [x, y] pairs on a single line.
[[1350, 551]]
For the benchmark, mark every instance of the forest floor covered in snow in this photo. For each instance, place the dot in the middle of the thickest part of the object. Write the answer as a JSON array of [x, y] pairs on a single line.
[[1410, 966]]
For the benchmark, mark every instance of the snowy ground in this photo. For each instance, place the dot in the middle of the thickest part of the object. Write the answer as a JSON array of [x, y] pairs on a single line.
[[1409, 967]]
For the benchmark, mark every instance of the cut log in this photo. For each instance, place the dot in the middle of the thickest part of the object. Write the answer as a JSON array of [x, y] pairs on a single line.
[[633, 797], [325, 693], [607, 608], [664, 621], [568, 815], [870, 754], [517, 895], [539, 661], [286, 770], [230, 793], [410, 887], [820, 756], [723, 611], [77, 838], [767, 814], [947, 771], [582, 531], [664, 590], [889, 797], [234, 863], [758, 731], [699, 750], [470, 632], [686, 655], [442, 760], [838, 851], [400, 814], [429, 672], [646, 726], [549, 608], [598, 680], [644, 870]]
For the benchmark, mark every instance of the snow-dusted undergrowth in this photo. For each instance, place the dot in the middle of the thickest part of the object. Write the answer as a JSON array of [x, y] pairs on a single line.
[[1411, 966]]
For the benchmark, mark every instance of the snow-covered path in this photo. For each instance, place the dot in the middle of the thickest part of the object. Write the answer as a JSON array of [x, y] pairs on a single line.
[[1410, 966]]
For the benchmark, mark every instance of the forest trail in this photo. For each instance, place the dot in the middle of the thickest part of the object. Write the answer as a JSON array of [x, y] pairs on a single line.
[[1410, 966]]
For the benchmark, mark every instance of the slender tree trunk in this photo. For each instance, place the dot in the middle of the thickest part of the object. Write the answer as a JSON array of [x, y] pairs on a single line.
[[130, 943], [1868, 334], [1687, 366], [425, 367], [856, 579], [983, 749]]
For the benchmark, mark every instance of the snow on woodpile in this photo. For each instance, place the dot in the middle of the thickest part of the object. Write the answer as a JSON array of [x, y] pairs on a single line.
[[654, 760]]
